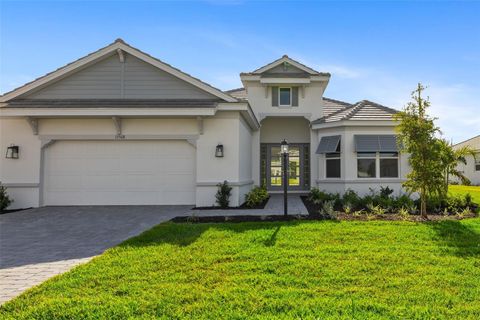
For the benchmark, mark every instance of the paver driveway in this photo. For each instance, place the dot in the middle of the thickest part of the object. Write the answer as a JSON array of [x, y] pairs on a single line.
[[37, 244]]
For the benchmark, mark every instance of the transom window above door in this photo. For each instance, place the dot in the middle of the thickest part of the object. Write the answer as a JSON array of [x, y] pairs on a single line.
[[285, 97]]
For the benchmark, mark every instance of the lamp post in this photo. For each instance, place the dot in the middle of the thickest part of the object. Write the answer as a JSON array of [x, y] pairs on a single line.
[[284, 152]]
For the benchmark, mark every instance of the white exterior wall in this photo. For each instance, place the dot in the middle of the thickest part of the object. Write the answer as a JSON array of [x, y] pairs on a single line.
[[349, 179], [23, 178], [224, 128], [469, 169], [309, 103]]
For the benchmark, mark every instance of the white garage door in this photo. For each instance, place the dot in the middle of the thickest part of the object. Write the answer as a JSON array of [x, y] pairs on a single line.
[[119, 173]]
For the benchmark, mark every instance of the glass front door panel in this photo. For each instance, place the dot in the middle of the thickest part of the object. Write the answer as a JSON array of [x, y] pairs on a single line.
[[295, 167]]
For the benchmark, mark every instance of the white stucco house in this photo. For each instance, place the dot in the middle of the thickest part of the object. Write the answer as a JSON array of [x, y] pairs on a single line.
[[472, 169], [120, 127]]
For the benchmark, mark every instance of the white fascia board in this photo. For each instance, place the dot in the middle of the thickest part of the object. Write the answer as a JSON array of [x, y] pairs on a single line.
[[59, 74], [285, 81], [103, 112], [282, 60], [355, 123], [320, 78], [250, 77], [246, 111]]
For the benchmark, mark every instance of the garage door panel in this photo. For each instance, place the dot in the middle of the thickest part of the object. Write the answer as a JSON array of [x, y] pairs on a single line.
[[65, 182], [119, 173]]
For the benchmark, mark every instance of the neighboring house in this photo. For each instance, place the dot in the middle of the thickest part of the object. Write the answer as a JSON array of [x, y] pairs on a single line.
[[472, 168], [119, 127]]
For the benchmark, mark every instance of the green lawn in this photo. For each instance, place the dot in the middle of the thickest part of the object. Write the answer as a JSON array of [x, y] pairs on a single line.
[[291, 270], [462, 190]]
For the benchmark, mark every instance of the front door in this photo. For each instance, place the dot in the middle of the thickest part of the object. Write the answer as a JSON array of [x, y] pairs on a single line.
[[298, 167]]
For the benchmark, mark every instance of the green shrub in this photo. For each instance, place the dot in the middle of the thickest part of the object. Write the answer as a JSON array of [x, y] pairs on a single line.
[[352, 198], [347, 208], [223, 194], [318, 197], [5, 200], [385, 192], [375, 209], [403, 213], [402, 202], [256, 196], [328, 208]]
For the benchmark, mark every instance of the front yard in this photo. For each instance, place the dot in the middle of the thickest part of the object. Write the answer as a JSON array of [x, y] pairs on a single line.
[[300, 269], [462, 190]]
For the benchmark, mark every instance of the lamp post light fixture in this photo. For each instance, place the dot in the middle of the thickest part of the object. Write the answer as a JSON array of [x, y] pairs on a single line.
[[219, 151], [12, 152], [284, 152]]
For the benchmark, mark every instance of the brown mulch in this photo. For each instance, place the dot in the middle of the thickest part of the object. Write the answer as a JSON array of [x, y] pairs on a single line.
[[242, 207]]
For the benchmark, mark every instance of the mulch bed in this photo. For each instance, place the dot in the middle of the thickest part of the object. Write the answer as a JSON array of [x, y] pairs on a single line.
[[245, 218], [13, 210], [314, 209], [242, 207]]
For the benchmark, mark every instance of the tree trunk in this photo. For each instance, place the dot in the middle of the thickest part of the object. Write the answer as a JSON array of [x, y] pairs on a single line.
[[423, 204]]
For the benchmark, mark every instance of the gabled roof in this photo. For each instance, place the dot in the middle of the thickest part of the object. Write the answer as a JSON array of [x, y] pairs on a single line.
[[468, 141], [289, 60], [363, 110], [93, 57], [239, 93]]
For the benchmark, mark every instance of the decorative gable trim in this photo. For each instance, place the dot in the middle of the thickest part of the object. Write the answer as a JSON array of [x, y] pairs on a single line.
[[115, 48], [294, 63]]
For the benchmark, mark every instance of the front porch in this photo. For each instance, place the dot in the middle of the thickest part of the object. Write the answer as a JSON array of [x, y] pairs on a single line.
[[274, 129], [274, 206]]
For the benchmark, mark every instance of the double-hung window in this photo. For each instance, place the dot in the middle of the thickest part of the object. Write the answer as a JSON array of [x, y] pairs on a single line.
[[332, 165], [388, 164], [367, 164], [477, 162], [285, 97], [330, 147], [377, 164]]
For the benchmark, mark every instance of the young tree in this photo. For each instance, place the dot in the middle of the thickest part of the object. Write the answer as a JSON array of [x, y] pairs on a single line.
[[416, 133], [450, 159]]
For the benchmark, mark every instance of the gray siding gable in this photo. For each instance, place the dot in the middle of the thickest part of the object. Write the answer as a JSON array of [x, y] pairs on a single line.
[[281, 70], [112, 79]]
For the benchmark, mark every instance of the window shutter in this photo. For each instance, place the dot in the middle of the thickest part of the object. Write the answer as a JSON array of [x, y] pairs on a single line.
[[274, 96], [294, 96]]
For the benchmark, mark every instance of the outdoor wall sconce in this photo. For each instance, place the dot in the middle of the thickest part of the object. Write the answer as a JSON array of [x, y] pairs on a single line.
[[12, 152], [219, 151]]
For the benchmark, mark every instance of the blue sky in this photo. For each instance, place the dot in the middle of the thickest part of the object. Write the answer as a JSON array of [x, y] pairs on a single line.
[[374, 50]]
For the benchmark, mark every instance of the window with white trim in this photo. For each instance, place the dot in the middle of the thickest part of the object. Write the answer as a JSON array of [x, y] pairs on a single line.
[[377, 164], [285, 97], [333, 163], [477, 162]]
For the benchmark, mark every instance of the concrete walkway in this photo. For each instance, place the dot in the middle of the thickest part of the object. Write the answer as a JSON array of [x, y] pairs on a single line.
[[274, 206], [40, 243]]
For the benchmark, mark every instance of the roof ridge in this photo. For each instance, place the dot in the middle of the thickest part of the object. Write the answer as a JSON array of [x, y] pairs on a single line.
[[289, 58], [235, 90], [381, 106], [335, 113], [338, 101], [356, 107], [478, 135]]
